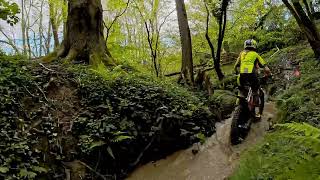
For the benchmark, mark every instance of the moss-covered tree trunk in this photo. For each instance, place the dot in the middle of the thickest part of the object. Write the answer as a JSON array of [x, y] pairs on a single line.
[[84, 38]]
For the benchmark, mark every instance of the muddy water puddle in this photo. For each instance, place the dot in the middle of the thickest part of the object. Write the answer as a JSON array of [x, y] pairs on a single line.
[[215, 160]]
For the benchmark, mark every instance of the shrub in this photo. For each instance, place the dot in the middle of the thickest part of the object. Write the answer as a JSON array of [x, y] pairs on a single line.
[[113, 120], [149, 113], [292, 152], [300, 103]]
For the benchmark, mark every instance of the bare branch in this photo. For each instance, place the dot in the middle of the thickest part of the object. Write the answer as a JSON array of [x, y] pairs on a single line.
[[12, 45], [165, 19], [9, 42], [115, 19], [207, 34]]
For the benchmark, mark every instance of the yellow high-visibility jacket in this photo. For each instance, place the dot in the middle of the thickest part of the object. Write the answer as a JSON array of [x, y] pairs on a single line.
[[248, 60]]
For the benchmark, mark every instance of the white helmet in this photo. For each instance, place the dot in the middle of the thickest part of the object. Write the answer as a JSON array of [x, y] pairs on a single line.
[[250, 43]]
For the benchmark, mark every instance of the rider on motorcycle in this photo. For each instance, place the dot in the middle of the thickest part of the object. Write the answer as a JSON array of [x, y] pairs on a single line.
[[249, 62]]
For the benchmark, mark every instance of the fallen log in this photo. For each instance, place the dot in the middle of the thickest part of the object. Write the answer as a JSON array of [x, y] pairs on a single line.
[[208, 69]]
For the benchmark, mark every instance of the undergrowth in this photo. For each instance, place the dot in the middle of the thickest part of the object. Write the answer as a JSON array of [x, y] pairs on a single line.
[[149, 111], [301, 101], [291, 152], [109, 120]]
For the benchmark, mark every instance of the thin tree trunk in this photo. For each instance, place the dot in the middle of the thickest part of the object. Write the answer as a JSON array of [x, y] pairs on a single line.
[[208, 37], [153, 51], [28, 29], [28, 42], [222, 28], [187, 62], [52, 12], [41, 27], [48, 42], [36, 52], [23, 28]]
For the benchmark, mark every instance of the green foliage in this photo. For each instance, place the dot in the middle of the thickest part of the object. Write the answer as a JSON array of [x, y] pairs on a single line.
[[310, 135], [143, 108], [224, 101], [115, 113], [300, 103], [8, 12], [228, 83], [299, 52], [292, 152], [18, 156]]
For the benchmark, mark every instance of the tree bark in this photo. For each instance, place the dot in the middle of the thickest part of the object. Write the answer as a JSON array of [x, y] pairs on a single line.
[[306, 24], [41, 27], [222, 21], [207, 35], [23, 28], [187, 62], [54, 27], [84, 34], [48, 40], [222, 29], [28, 28]]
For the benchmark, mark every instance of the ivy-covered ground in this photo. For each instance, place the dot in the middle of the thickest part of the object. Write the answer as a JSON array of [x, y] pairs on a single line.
[[291, 150], [62, 120]]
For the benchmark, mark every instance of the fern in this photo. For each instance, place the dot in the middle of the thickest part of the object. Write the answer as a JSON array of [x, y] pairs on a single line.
[[305, 128], [291, 152], [303, 134]]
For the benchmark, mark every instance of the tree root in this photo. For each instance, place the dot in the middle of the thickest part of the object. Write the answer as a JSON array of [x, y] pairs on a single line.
[[91, 169], [49, 58], [72, 54], [96, 57], [159, 128], [54, 55]]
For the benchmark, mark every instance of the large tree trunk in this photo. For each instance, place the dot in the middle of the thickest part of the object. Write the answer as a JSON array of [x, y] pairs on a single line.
[[306, 24], [84, 34], [187, 62]]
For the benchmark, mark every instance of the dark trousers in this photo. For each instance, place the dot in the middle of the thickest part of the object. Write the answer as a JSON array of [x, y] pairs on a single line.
[[252, 80], [249, 79]]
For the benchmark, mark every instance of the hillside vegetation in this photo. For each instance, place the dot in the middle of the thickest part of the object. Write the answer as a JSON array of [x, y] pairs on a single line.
[[54, 114], [291, 150]]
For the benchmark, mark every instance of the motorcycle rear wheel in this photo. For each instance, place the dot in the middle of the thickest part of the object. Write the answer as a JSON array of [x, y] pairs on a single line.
[[240, 125]]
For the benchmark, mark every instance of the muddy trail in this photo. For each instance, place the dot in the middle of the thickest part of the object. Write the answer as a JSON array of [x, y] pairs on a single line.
[[216, 159]]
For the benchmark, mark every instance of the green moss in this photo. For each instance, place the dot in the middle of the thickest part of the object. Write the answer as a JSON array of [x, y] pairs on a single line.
[[223, 100]]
